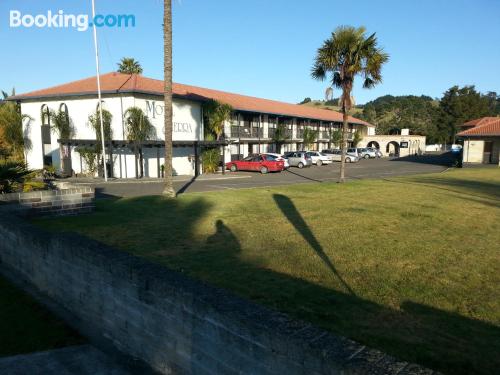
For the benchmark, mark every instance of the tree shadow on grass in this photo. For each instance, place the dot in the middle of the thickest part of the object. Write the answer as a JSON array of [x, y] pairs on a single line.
[[414, 332], [417, 333], [286, 206]]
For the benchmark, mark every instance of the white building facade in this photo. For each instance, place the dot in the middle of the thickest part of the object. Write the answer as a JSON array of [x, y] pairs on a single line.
[[250, 130]]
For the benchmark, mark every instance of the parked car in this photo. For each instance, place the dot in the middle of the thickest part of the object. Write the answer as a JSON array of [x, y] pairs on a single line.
[[336, 155], [366, 153], [377, 152], [319, 158], [279, 157], [260, 162], [298, 159]]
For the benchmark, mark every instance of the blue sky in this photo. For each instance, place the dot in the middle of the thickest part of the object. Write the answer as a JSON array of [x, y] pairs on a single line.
[[262, 48]]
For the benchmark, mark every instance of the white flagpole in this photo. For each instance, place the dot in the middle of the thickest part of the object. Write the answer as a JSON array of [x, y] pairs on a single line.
[[99, 93]]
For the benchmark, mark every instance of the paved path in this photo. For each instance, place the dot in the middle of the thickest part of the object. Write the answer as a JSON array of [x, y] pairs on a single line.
[[74, 360], [373, 168]]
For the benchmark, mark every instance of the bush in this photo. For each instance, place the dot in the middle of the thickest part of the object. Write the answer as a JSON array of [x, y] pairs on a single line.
[[210, 159], [90, 157], [16, 177]]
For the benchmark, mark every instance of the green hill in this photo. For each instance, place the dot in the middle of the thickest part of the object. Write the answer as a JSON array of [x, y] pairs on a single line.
[[321, 104]]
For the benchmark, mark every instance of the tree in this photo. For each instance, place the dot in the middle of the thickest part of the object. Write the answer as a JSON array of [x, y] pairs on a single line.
[[217, 114], [306, 100], [95, 124], [139, 129], [356, 138], [62, 126], [13, 141], [335, 137], [129, 65], [309, 137], [459, 105], [280, 136], [346, 54], [168, 191]]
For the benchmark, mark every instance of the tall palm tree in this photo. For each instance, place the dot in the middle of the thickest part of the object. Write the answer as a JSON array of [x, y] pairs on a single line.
[[168, 191], [346, 54], [129, 65], [139, 129]]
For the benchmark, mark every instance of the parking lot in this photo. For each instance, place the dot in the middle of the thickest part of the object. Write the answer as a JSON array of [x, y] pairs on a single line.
[[373, 168]]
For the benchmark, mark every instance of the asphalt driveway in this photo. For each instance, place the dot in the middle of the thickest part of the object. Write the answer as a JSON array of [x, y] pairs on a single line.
[[373, 168]]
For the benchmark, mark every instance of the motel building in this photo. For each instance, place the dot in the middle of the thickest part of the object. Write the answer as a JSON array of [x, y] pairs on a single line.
[[250, 130], [481, 140]]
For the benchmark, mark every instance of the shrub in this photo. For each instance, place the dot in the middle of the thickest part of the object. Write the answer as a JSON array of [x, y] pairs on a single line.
[[90, 157], [210, 159], [16, 177]]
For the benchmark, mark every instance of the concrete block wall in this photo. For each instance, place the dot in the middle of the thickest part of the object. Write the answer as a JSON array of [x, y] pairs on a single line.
[[68, 200], [175, 324]]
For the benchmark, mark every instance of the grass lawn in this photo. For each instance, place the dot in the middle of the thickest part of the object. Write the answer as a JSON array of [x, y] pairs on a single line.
[[26, 327], [409, 265]]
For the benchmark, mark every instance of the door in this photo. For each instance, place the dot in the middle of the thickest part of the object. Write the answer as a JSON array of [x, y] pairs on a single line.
[[487, 152]]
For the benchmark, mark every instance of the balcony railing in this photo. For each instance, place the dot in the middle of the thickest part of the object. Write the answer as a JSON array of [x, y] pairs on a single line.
[[246, 132]]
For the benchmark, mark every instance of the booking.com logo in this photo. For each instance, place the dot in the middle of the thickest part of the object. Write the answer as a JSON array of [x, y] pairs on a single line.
[[77, 21]]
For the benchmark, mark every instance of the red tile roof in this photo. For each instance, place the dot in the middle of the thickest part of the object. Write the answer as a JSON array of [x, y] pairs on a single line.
[[486, 126], [117, 82], [478, 121]]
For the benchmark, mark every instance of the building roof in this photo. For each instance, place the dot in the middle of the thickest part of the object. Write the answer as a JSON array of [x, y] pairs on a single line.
[[113, 83], [478, 121], [486, 126]]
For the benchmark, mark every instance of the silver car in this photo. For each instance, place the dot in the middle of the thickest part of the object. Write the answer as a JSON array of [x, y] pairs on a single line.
[[337, 156], [367, 153], [377, 152], [298, 159]]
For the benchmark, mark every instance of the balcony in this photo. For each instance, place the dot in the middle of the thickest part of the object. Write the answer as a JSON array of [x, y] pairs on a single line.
[[246, 132], [272, 131]]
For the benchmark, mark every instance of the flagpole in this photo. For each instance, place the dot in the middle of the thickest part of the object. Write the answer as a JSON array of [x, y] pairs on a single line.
[[99, 93]]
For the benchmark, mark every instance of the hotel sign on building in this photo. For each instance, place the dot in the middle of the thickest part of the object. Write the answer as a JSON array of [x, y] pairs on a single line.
[[186, 119]]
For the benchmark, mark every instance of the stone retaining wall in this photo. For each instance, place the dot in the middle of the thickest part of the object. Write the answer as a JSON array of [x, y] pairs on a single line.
[[66, 200], [175, 324]]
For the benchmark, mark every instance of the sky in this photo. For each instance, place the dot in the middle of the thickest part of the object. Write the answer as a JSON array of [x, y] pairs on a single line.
[[262, 48]]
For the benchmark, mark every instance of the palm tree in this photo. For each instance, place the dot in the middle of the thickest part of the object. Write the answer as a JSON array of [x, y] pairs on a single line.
[[346, 54], [129, 65], [95, 124], [280, 136], [309, 137], [61, 125], [217, 114], [356, 138], [168, 191], [335, 137], [139, 129]]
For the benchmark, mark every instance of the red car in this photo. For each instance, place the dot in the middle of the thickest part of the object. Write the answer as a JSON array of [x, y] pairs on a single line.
[[262, 163]]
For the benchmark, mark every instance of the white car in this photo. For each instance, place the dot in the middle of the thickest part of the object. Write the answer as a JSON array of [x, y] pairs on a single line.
[[336, 155], [278, 157], [319, 158]]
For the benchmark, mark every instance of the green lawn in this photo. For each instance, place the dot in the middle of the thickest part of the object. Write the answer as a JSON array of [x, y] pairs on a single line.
[[409, 265], [26, 327]]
